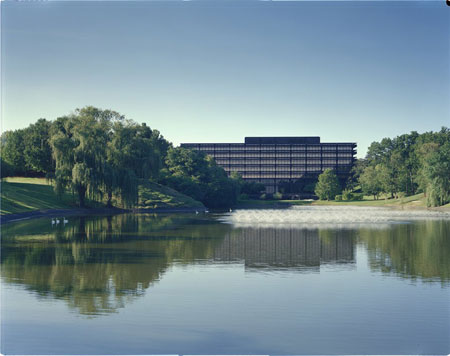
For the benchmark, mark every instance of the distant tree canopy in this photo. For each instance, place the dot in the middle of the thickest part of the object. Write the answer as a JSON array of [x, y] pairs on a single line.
[[101, 155], [357, 170], [305, 185], [327, 186], [371, 181], [197, 175], [408, 164], [98, 153], [434, 174], [27, 151], [252, 188]]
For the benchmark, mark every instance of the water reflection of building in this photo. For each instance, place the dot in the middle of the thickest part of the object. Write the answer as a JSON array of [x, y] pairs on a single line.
[[285, 248]]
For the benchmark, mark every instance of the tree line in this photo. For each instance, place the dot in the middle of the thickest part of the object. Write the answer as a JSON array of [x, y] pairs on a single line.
[[99, 154], [405, 165]]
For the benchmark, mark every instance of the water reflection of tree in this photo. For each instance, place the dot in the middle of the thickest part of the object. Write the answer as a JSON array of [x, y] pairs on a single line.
[[419, 250], [99, 265], [94, 228]]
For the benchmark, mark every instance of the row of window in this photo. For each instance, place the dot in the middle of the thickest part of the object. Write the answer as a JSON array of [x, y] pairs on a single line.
[[279, 169], [278, 156], [270, 181], [282, 148], [266, 181], [278, 163], [268, 175], [258, 177], [277, 172], [284, 152]]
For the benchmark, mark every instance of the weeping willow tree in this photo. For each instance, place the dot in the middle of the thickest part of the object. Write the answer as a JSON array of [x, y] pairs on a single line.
[[135, 152], [99, 154], [79, 144], [122, 183]]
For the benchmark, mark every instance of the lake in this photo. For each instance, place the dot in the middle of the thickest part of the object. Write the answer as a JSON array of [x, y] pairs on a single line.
[[304, 280]]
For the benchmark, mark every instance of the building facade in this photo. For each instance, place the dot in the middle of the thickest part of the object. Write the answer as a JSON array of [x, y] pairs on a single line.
[[286, 249], [277, 161]]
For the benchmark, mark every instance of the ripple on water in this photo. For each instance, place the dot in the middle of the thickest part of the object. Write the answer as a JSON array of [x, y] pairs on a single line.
[[329, 216]]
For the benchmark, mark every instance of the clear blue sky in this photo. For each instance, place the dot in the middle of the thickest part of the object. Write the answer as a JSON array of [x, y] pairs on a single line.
[[218, 71]]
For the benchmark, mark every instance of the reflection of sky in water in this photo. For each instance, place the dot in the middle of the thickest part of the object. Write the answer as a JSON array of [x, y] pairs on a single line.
[[313, 217], [139, 284]]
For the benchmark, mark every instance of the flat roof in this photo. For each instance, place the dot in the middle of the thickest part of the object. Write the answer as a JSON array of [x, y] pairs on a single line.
[[280, 140], [275, 140]]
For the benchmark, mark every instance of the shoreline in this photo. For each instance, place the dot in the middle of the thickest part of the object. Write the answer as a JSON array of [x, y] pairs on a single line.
[[53, 213], [281, 204]]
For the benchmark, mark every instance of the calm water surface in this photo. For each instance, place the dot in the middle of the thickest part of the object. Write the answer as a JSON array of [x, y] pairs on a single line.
[[242, 283]]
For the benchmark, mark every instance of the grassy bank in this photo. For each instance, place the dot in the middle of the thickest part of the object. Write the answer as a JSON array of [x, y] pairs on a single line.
[[20, 195], [157, 196], [411, 202]]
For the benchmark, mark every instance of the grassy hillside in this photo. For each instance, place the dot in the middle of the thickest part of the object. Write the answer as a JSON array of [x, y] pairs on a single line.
[[417, 200], [19, 195], [153, 195], [413, 201]]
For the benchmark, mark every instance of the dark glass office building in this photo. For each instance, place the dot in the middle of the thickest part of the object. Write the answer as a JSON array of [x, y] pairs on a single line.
[[275, 161]]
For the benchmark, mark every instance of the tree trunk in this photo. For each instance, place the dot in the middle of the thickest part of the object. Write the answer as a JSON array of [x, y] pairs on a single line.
[[81, 195], [108, 204]]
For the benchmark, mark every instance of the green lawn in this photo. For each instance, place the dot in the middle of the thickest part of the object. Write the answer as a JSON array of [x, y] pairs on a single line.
[[20, 195], [417, 200], [153, 195]]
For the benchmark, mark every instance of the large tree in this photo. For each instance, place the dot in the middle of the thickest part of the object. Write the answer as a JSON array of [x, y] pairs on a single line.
[[13, 146], [409, 163], [197, 175], [134, 152], [371, 180], [79, 144], [357, 170], [98, 153], [27, 151], [37, 151], [327, 186], [435, 173]]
